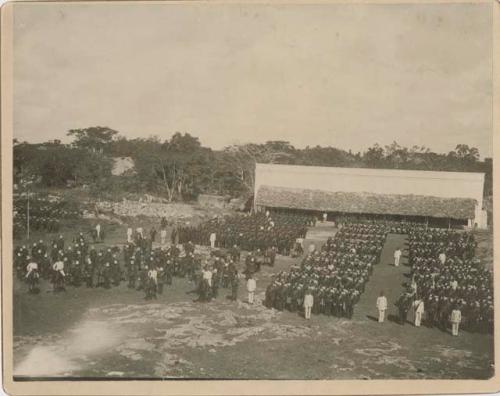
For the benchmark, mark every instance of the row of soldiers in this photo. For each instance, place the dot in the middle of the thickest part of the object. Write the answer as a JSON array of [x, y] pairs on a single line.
[[79, 263], [44, 214], [250, 231], [447, 276], [145, 268], [74, 264], [335, 276]]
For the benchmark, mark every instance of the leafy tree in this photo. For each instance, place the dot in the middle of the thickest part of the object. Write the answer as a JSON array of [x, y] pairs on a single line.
[[241, 159], [374, 157], [96, 139]]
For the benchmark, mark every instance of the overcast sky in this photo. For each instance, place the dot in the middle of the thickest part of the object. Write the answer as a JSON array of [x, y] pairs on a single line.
[[340, 75]]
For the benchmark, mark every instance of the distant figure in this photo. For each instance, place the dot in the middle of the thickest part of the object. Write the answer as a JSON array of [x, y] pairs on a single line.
[[32, 275], [140, 232], [207, 276], [403, 305], [418, 305], [325, 217], [130, 232], [152, 284], [213, 238], [59, 275], [381, 306], [397, 256], [308, 304], [454, 284], [456, 318], [267, 213], [251, 286], [442, 258], [98, 231], [163, 236], [413, 287], [234, 284], [152, 234]]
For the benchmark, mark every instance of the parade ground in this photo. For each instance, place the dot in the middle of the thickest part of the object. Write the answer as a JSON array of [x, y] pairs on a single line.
[[115, 333]]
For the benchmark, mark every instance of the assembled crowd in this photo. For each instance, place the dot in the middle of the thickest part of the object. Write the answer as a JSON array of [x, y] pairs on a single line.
[[250, 232], [137, 263], [449, 280], [44, 214], [330, 281]]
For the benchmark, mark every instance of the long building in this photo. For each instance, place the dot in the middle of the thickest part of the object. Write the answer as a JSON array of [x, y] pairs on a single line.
[[439, 195]]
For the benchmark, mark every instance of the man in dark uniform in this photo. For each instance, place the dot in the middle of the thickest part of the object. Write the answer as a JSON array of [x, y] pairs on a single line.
[[169, 271], [403, 305], [161, 277], [152, 234], [235, 253], [235, 282], [132, 273]]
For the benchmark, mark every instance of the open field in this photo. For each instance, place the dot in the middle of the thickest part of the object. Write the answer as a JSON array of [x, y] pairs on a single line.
[[115, 333]]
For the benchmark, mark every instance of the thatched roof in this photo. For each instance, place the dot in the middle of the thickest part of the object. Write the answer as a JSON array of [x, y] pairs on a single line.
[[351, 202]]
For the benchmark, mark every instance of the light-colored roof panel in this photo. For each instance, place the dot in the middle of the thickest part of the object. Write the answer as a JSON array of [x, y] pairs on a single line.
[[375, 181], [399, 173]]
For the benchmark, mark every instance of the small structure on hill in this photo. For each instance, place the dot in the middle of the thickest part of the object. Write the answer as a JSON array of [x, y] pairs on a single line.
[[122, 166]]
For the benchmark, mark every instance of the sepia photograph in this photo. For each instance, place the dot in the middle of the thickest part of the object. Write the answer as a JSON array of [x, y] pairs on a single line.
[[249, 191]]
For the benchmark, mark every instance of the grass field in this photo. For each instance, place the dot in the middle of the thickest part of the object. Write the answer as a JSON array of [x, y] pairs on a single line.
[[115, 333]]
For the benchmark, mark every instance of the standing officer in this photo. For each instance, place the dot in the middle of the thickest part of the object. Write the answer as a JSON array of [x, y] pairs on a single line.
[[381, 306]]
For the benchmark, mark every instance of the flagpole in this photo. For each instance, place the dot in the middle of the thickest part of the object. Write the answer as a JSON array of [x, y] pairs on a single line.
[[28, 216]]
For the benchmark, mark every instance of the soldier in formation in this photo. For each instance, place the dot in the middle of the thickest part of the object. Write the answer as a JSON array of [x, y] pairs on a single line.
[[278, 231], [335, 275], [447, 278]]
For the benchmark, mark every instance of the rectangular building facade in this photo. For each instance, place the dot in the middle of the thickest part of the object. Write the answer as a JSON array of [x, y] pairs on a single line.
[[429, 193]]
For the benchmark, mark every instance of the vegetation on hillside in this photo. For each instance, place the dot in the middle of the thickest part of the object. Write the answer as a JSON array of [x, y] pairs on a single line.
[[180, 168]]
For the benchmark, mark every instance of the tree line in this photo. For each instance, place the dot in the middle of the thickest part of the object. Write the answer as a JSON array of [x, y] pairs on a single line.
[[180, 168]]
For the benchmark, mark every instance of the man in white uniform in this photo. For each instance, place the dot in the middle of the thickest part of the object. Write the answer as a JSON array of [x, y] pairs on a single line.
[[397, 257], [381, 306], [419, 311], [32, 266], [59, 267], [308, 304], [251, 286], [456, 318], [442, 258], [153, 274], [207, 275], [129, 234], [213, 237], [140, 231], [163, 236]]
